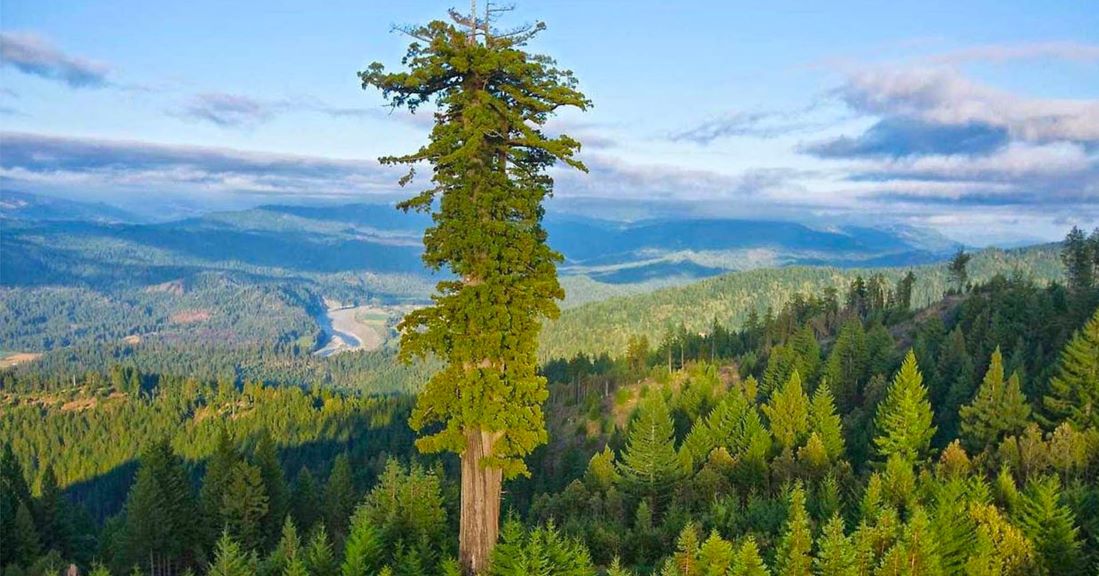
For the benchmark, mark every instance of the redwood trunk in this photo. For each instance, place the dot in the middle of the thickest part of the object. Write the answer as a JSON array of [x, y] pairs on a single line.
[[480, 513]]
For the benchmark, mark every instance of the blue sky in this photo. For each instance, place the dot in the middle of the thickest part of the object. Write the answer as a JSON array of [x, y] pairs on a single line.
[[979, 120]]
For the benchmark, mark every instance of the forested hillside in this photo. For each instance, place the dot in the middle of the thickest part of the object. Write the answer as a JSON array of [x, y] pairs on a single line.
[[732, 299], [854, 434]]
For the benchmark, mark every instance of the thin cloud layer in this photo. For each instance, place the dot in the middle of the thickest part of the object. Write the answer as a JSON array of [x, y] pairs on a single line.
[[32, 54], [31, 160]]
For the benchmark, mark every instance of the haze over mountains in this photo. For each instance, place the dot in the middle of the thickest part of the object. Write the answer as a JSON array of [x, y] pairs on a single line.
[[42, 231]]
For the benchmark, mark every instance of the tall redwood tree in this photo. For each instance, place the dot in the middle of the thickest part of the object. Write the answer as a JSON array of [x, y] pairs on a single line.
[[489, 158]]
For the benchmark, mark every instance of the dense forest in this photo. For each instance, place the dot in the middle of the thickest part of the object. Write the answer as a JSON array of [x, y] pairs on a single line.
[[856, 431]]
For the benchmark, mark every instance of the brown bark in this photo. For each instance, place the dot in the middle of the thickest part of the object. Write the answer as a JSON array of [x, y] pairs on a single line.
[[480, 508]]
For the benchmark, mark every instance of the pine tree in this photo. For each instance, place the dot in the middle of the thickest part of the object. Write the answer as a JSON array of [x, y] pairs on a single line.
[[542, 551], [650, 466], [793, 555], [244, 506], [1051, 527], [1078, 256], [219, 470], [998, 410], [363, 551], [749, 562], [274, 484], [835, 552], [489, 158], [307, 501], [285, 552], [148, 529], [685, 558], [339, 497], [52, 512], [230, 560], [716, 556], [1074, 391], [788, 413], [824, 421], [904, 419], [846, 369], [24, 545], [319, 560]]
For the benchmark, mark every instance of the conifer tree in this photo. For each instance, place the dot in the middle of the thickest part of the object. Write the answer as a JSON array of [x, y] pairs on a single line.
[[824, 421], [847, 365], [749, 562], [14, 492], [52, 512], [904, 418], [230, 560], [1051, 527], [793, 555], [148, 529], [307, 501], [489, 157], [339, 497], [650, 466], [835, 551], [1074, 391], [23, 545], [716, 556], [244, 506], [363, 551], [998, 410], [788, 413], [219, 470], [319, 560], [274, 485]]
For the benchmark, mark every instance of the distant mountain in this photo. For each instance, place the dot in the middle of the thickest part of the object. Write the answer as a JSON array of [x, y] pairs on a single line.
[[26, 206], [378, 238]]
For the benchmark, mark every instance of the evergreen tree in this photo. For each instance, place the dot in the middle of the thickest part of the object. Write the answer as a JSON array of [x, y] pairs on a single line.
[[650, 466], [339, 497], [825, 423], [489, 158], [285, 552], [1078, 256], [319, 560], [274, 484], [788, 413], [23, 545], [847, 365], [835, 552], [1051, 527], [999, 409], [716, 556], [148, 528], [307, 501], [904, 419], [219, 470], [52, 511], [749, 562], [363, 551], [542, 551], [1074, 391], [230, 560], [793, 555], [245, 506], [958, 269]]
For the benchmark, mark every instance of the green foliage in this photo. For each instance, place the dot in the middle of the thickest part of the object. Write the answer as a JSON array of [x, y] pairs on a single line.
[[542, 551], [788, 413], [231, 560], [488, 155], [793, 556], [835, 551], [650, 466], [999, 409], [904, 419], [244, 506], [1051, 527], [363, 552], [1074, 391]]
